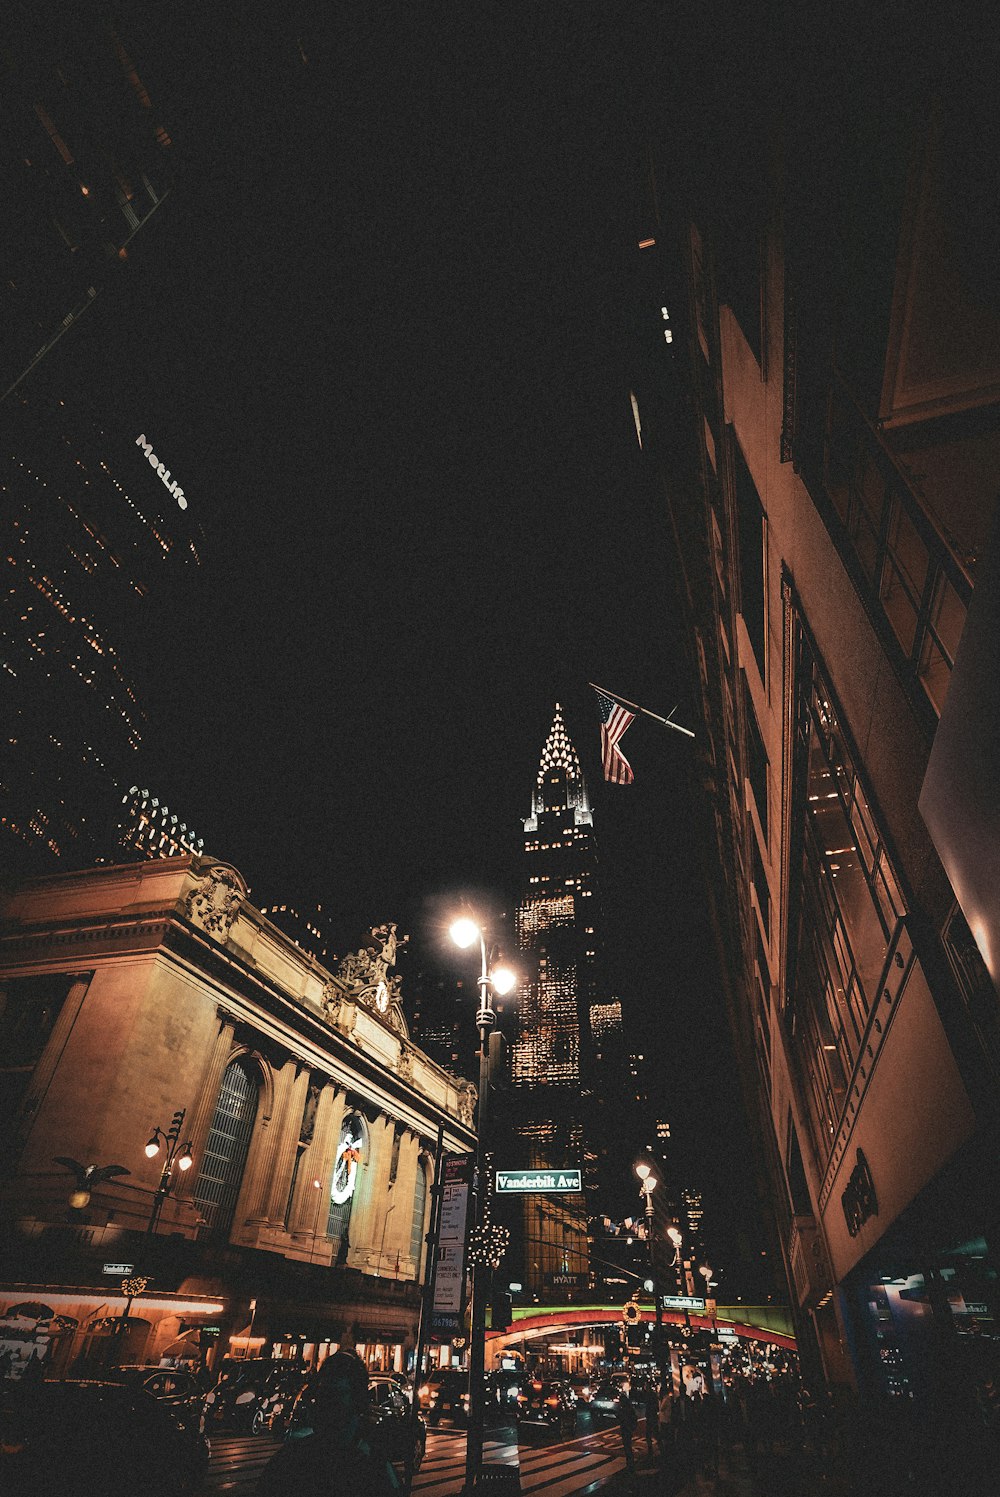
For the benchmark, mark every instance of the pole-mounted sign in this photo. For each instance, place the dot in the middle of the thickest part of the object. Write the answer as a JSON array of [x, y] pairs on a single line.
[[538, 1182]]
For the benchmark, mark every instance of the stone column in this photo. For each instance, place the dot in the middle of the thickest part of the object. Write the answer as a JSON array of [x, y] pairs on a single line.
[[49, 1060], [308, 1215], [397, 1238], [276, 1154], [372, 1196]]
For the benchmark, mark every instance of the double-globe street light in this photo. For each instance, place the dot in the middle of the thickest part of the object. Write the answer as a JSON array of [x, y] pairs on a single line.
[[494, 978], [183, 1158], [647, 1184]]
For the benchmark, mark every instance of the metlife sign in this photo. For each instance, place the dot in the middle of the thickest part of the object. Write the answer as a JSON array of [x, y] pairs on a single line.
[[538, 1182]]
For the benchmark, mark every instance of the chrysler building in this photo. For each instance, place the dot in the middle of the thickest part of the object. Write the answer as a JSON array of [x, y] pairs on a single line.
[[552, 1057]]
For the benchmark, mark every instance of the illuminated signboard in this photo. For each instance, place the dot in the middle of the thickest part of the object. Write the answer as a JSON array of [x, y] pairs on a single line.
[[538, 1182], [162, 472]]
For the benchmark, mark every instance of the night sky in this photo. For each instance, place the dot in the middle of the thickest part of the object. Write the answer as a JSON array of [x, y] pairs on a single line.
[[383, 331]]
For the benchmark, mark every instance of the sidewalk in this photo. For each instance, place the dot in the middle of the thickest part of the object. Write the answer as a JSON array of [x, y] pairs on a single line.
[[788, 1472]]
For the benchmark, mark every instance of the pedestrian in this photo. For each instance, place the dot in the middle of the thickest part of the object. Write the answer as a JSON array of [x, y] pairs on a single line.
[[651, 1411], [665, 1421], [627, 1422], [6, 1363], [336, 1456]]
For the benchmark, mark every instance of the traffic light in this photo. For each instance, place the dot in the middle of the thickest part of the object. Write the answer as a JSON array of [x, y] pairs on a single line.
[[501, 1311]]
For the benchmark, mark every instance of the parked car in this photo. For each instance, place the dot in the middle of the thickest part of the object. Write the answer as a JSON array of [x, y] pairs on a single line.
[[390, 1419], [550, 1402], [78, 1437], [175, 1388], [445, 1394]]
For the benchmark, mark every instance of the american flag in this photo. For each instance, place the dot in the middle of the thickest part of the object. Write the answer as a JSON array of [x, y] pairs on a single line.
[[614, 721]]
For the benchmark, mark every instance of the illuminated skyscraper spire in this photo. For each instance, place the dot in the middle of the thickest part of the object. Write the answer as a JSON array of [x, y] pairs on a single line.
[[559, 785]]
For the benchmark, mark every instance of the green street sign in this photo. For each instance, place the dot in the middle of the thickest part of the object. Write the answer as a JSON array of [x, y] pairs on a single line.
[[538, 1182]]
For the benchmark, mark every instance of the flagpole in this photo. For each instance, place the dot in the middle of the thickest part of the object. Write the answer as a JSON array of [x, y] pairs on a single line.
[[644, 710]]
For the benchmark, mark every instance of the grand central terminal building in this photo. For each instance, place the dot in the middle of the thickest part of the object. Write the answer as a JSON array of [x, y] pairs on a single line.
[[211, 1144]]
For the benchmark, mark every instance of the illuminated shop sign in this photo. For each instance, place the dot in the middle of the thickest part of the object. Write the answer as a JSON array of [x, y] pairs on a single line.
[[163, 473], [345, 1167]]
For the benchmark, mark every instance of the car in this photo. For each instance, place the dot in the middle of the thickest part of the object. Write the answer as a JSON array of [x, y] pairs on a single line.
[[80, 1436], [176, 1388], [272, 1410], [390, 1420], [503, 1386], [394, 1380], [232, 1404], [604, 1399], [392, 1417], [445, 1394], [550, 1402], [583, 1385]]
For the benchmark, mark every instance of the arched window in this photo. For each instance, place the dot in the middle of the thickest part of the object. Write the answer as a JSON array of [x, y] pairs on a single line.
[[351, 1149], [225, 1156], [419, 1208]]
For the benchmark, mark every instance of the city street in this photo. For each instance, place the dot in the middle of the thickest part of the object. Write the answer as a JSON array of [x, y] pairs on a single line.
[[500, 790], [560, 1467]]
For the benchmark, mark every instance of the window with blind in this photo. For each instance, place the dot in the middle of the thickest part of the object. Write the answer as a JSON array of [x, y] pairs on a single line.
[[225, 1156]]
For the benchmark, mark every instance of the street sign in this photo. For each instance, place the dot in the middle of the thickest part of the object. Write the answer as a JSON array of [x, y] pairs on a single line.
[[119, 1270], [449, 1272], [682, 1302], [538, 1182]]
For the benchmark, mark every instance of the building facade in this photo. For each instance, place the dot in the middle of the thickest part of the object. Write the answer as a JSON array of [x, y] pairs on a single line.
[[134, 993], [841, 327], [95, 550]]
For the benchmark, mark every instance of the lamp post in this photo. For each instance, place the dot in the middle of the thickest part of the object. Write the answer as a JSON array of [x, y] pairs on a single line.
[[647, 1184], [157, 1140], [493, 978]]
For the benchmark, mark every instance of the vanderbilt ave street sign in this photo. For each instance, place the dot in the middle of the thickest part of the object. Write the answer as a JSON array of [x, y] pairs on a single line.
[[538, 1182]]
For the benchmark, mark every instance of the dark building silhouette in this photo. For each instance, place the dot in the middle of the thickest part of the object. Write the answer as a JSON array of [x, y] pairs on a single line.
[[95, 548], [88, 162], [826, 253]]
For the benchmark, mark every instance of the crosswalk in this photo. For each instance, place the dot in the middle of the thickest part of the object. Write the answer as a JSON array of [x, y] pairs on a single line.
[[236, 1462], [566, 1468]]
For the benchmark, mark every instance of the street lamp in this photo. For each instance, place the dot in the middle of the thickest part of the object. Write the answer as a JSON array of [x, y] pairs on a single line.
[[493, 978], [647, 1184], [183, 1159]]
